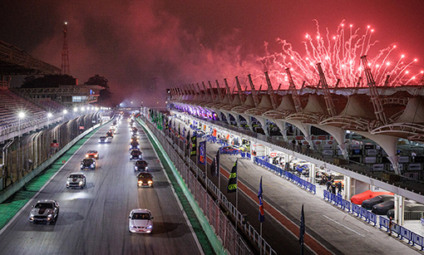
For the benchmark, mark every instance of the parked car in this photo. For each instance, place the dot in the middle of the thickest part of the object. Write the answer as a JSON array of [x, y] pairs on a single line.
[[46, 211], [384, 207], [369, 203], [76, 180], [413, 211], [141, 165], [144, 180], [140, 221], [361, 197], [228, 149], [88, 163], [92, 154]]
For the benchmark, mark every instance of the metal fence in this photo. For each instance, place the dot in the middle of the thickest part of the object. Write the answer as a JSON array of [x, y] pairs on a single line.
[[223, 227], [378, 221]]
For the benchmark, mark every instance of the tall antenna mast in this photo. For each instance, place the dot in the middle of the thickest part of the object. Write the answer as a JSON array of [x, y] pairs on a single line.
[[65, 52]]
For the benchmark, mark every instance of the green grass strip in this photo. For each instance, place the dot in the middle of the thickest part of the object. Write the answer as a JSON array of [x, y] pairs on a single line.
[[12, 205], [184, 200]]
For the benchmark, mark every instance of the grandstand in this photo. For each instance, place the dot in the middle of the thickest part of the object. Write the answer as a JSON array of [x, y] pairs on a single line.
[[11, 104]]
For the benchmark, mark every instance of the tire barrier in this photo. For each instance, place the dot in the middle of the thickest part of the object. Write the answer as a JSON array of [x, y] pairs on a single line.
[[287, 175], [369, 217]]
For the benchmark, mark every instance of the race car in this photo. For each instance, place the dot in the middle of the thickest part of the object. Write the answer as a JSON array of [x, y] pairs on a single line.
[[104, 139], [92, 154], [134, 145], [144, 180], [46, 211], [140, 221], [141, 165], [369, 203], [88, 163], [76, 180], [109, 133], [135, 154]]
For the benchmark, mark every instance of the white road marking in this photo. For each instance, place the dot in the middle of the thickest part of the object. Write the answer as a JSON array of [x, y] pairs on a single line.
[[344, 226]]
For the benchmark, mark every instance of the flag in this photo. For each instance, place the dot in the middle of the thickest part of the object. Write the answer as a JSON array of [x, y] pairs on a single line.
[[302, 227], [232, 179], [215, 165], [188, 143], [202, 152], [261, 207], [193, 151]]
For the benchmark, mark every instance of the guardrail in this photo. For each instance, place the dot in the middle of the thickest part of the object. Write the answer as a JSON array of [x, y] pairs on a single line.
[[381, 221], [231, 239], [287, 175]]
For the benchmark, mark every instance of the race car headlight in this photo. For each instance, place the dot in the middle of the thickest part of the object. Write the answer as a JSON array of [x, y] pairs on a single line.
[[150, 182], [147, 167], [81, 183], [31, 214], [136, 167], [86, 155], [92, 165], [140, 182], [67, 182], [149, 227], [82, 166]]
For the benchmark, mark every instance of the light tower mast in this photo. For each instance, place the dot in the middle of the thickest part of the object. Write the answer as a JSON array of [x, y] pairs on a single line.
[[65, 52]]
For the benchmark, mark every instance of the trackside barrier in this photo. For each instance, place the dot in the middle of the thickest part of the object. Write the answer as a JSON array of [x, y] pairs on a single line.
[[372, 218], [417, 239], [230, 238], [287, 175], [381, 221], [12, 189], [384, 222], [405, 233]]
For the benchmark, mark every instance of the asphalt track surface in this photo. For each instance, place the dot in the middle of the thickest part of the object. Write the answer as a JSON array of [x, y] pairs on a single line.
[[95, 220]]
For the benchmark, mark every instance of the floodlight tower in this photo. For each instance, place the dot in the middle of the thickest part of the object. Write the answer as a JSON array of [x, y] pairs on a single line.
[[65, 52]]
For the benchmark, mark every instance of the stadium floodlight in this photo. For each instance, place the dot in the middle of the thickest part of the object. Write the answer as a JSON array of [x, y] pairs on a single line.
[[65, 111], [82, 109], [21, 115], [75, 109], [49, 115]]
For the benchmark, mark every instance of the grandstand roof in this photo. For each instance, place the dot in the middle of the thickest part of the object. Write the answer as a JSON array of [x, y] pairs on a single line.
[[14, 61]]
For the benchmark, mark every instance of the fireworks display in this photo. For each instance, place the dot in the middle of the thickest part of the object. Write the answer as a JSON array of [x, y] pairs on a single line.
[[339, 55]]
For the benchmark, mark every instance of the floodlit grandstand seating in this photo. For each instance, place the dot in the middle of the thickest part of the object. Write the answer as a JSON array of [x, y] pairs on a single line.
[[10, 105], [50, 105]]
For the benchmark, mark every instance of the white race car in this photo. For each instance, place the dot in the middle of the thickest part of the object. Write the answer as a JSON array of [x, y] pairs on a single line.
[[140, 221]]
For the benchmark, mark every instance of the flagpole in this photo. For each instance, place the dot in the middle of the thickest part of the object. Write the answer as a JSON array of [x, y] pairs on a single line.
[[260, 244], [236, 202], [219, 184], [206, 167]]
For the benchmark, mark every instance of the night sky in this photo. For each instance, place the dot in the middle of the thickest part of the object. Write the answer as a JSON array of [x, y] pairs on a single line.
[[143, 47]]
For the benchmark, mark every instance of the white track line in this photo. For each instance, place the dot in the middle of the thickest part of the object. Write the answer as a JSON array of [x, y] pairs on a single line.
[[343, 226]]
